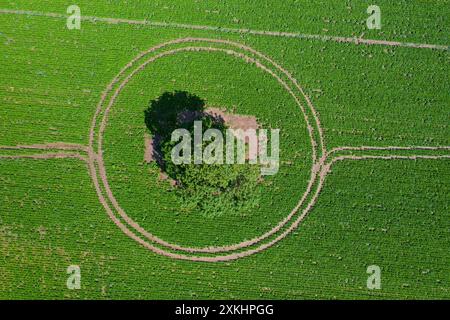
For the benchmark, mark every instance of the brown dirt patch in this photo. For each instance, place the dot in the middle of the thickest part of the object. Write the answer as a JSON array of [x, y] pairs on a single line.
[[232, 121]]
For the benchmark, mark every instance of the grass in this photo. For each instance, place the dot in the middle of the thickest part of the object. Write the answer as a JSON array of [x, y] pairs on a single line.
[[390, 213], [354, 225], [417, 21]]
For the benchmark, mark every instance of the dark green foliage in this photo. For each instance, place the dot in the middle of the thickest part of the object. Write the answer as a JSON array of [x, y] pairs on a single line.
[[162, 116], [211, 188]]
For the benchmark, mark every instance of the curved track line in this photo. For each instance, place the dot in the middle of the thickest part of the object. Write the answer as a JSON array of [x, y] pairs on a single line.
[[122, 85], [325, 169], [321, 167], [387, 157], [290, 77], [318, 168], [324, 172]]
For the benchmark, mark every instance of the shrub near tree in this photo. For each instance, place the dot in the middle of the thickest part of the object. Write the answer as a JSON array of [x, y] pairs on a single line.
[[212, 189]]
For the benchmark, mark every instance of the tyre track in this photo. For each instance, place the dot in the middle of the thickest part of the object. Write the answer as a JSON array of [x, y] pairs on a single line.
[[174, 25]]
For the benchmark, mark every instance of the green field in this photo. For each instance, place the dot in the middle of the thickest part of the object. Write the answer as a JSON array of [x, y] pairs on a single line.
[[386, 204]]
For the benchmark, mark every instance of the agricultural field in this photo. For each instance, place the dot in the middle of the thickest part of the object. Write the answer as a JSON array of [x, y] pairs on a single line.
[[357, 208]]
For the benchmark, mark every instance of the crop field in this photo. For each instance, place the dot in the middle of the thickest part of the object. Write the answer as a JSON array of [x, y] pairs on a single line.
[[362, 179]]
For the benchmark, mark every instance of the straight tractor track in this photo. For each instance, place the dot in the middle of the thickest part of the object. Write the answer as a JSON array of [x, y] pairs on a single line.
[[174, 25]]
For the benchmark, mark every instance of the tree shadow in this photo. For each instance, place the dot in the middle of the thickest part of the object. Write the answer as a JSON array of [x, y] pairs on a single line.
[[171, 111]]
